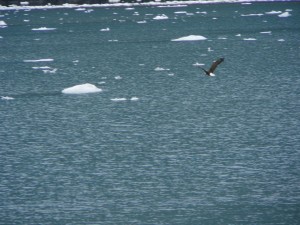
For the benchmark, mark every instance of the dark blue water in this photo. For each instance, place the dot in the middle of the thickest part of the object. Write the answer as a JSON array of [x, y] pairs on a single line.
[[155, 146]]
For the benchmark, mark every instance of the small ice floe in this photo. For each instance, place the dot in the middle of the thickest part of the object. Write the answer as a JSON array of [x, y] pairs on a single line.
[[273, 12], [161, 69], [253, 14], [6, 98], [129, 8], [80, 9], [105, 29], [118, 77], [198, 64], [2, 24], [209, 49], [51, 71], [161, 17], [118, 99], [134, 98], [238, 35], [280, 40], [142, 21], [285, 14], [81, 89], [266, 32], [43, 29], [222, 38], [190, 38], [249, 39], [114, 40], [124, 99], [38, 60]]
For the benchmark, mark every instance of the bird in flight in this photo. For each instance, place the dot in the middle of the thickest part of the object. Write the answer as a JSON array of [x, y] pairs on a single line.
[[213, 67]]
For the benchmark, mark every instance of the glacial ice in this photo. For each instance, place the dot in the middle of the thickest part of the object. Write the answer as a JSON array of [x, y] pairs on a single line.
[[190, 38], [81, 89]]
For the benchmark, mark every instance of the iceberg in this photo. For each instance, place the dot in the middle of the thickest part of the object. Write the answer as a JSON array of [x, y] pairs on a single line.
[[81, 89], [190, 38]]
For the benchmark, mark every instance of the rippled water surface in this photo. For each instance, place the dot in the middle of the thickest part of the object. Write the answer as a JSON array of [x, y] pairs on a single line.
[[159, 142]]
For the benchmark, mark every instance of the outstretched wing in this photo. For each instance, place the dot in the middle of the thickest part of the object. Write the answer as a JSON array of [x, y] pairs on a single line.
[[215, 64]]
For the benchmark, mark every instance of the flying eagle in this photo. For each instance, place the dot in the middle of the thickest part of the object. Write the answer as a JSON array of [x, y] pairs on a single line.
[[213, 66]]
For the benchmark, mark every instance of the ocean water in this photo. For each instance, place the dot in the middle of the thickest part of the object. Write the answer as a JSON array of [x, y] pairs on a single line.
[[157, 142]]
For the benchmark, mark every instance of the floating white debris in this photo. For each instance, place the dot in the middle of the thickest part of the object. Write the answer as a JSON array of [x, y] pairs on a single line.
[[161, 17], [43, 29], [273, 12], [105, 29], [198, 64], [249, 39], [50, 71], [7, 98], [285, 14], [118, 77], [252, 14], [2, 24], [190, 38], [118, 99], [266, 32], [38, 60], [161, 69], [281, 40], [134, 99], [82, 89]]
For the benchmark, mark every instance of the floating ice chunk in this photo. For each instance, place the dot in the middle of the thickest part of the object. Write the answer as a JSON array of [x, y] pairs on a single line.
[[181, 12], [43, 29], [7, 98], [80, 9], [266, 32], [281, 40], [161, 69], [198, 64], [273, 12], [2, 24], [285, 14], [161, 17], [38, 60], [134, 99], [50, 71], [249, 39], [118, 77], [143, 21], [105, 29], [82, 89], [252, 14], [190, 38], [238, 35], [118, 99]]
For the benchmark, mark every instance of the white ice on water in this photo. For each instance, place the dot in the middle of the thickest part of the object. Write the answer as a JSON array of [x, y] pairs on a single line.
[[81, 89], [6, 98], [161, 17], [38, 60], [249, 39], [285, 14], [2, 24], [190, 38], [43, 29]]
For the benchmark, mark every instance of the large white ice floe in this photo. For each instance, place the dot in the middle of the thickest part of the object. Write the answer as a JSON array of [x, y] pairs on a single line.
[[190, 38], [2, 24], [81, 89], [285, 14]]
